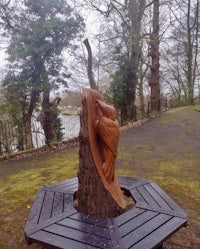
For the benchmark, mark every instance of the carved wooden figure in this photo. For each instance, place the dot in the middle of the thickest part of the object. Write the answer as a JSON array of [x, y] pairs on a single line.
[[99, 191], [107, 128]]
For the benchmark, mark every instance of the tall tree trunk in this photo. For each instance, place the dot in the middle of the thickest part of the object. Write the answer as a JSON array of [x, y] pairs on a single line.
[[47, 118], [132, 81], [27, 115], [142, 74], [189, 55], [192, 49], [135, 13], [154, 81], [196, 46], [28, 140], [97, 194]]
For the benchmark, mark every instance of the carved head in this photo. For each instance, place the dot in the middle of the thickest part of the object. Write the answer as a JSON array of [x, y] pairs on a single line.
[[107, 110]]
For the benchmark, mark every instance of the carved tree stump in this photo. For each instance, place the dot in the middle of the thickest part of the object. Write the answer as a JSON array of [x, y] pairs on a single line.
[[99, 192]]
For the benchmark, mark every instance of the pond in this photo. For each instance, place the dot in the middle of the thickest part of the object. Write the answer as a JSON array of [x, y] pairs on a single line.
[[70, 129]]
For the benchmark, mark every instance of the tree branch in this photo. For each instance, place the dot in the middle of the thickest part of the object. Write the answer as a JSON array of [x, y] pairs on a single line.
[[89, 66]]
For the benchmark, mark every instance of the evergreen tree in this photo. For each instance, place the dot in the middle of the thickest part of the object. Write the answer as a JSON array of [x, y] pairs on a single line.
[[41, 31]]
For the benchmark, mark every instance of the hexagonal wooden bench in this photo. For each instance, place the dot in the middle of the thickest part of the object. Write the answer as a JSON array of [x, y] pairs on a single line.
[[55, 223]]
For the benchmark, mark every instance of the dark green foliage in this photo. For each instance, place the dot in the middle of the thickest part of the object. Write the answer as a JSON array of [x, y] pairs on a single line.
[[41, 31], [57, 125], [122, 87]]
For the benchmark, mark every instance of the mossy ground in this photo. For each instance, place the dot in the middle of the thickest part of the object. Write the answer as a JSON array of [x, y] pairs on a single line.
[[18, 190], [165, 149]]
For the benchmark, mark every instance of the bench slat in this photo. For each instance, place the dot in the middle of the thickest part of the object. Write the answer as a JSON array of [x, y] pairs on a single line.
[[82, 226], [35, 211], [55, 241], [58, 204], [155, 195], [138, 197], [63, 184], [130, 183], [131, 214], [147, 228], [167, 198], [148, 198], [87, 238], [89, 219], [135, 223], [47, 206], [67, 202], [160, 235], [33, 229]]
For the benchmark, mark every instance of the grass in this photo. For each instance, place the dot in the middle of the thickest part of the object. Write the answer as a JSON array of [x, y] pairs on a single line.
[[197, 108], [18, 191], [171, 163]]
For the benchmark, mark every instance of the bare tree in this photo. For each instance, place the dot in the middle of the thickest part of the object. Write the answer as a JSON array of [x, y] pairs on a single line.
[[154, 80], [182, 55]]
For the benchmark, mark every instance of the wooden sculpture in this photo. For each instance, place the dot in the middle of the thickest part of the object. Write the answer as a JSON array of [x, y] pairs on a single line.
[[99, 191], [107, 128]]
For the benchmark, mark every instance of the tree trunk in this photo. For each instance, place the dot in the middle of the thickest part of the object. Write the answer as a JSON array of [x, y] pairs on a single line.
[[28, 140], [154, 81], [141, 86], [97, 194], [27, 112], [189, 55], [47, 118], [135, 13]]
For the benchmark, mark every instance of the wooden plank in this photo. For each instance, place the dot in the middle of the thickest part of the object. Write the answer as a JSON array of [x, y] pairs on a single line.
[[115, 235], [126, 181], [68, 202], [138, 221], [58, 204], [146, 229], [32, 229], [130, 182], [85, 227], [90, 219], [158, 210], [158, 198], [60, 185], [83, 237], [67, 187], [138, 184], [46, 209], [71, 190], [55, 241], [139, 199], [167, 198], [131, 214], [148, 198], [35, 211], [160, 234]]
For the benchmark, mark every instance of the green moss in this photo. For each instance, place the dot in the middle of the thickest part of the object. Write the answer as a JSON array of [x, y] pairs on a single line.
[[197, 108], [18, 192]]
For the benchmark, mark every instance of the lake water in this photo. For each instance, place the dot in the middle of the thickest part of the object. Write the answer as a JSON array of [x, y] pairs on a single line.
[[70, 129]]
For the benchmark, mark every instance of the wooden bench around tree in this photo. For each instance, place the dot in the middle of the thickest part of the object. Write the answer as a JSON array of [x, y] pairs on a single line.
[[55, 223]]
